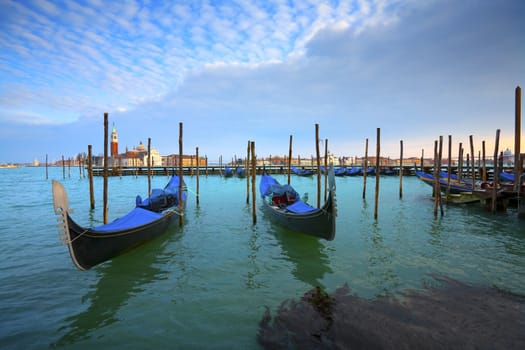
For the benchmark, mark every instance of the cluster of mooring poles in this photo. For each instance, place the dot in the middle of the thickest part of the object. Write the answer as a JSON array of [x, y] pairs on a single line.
[[494, 196]]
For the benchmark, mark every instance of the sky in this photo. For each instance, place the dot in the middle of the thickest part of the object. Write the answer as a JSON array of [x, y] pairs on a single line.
[[249, 70]]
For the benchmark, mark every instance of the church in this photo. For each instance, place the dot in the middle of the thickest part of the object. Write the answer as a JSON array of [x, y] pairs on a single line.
[[137, 157]]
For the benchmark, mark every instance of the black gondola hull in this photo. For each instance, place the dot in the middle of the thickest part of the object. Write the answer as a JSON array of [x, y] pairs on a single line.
[[319, 223], [89, 248]]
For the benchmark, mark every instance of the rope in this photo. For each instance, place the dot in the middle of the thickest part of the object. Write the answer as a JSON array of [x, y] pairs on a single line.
[[173, 210], [192, 192], [74, 239]]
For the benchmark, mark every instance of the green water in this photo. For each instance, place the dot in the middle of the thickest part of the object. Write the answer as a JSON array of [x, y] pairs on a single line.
[[206, 285]]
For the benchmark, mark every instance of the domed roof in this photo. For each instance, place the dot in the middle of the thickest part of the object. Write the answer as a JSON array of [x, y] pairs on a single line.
[[141, 147]]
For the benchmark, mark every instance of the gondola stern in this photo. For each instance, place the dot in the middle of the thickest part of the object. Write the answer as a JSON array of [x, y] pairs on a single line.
[[62, 210]]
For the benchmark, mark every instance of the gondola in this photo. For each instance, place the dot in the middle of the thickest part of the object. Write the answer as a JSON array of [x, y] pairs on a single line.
[[228, 172], [341, 171], [150, 218], [241, 172], [353, 171], [455, 186], [285, 207], [302, 172]]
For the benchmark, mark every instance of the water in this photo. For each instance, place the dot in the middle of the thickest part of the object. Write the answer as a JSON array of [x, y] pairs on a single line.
[[206, 285]]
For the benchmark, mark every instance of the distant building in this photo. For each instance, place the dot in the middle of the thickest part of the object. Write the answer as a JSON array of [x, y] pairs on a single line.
[[138, 156], [114, 142]]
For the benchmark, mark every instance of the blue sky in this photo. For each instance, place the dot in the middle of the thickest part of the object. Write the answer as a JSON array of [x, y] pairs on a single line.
[[233, 71]]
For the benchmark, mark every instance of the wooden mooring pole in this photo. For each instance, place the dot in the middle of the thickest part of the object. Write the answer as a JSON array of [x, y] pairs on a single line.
[[449, 166], [318, 166], [290, 158], [325, 169], [365, 168], [105, 194], [436, 190], [401, 169], [149, 166], [254, 163], [472, 170], [180, 175], [90, 176], [517, 141], [248, 165], [496, 174], [440, 156], [198, 171], [378, 153], [484, 162]]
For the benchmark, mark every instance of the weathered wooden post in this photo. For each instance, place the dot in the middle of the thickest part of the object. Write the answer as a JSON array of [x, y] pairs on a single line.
[[180, 175], [90, 175], [325, 168], [248, 172], [496, 173], [517, 141], [484, 171], [401, 169], [422, 159], [436, 188], [79, 159], [365, 168], [254, 163], [460, 161], [440, 156], [473, 172], [149, 166], [449, 167], [63, 168], [378, 148], [290, 158], [318, 166], [198, 171], [105, 195]]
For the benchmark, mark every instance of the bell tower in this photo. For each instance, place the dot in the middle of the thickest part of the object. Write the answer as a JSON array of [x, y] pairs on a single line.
[[114, 142]]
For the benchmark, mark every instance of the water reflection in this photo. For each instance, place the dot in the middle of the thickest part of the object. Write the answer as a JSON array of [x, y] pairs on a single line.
[[251, 276], [381, 272], [118, 280], [306, 253]]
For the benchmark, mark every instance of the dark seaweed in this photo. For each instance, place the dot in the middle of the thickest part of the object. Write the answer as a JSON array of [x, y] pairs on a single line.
[[451, 316]]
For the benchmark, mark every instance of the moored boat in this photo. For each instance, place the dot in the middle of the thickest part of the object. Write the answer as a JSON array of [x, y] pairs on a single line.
[[302, 171], [285, 207], [454, 186], [150, 218]]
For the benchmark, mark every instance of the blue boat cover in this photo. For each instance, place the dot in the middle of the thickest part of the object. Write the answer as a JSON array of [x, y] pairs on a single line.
[[300, 207], [162, 198], [270, 187], [136, 217]]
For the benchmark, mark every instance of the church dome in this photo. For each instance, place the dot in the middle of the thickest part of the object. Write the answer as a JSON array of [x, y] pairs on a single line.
[[141, 147]]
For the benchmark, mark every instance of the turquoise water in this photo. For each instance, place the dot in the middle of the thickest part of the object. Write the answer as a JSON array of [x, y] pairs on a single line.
[[207, 284]]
